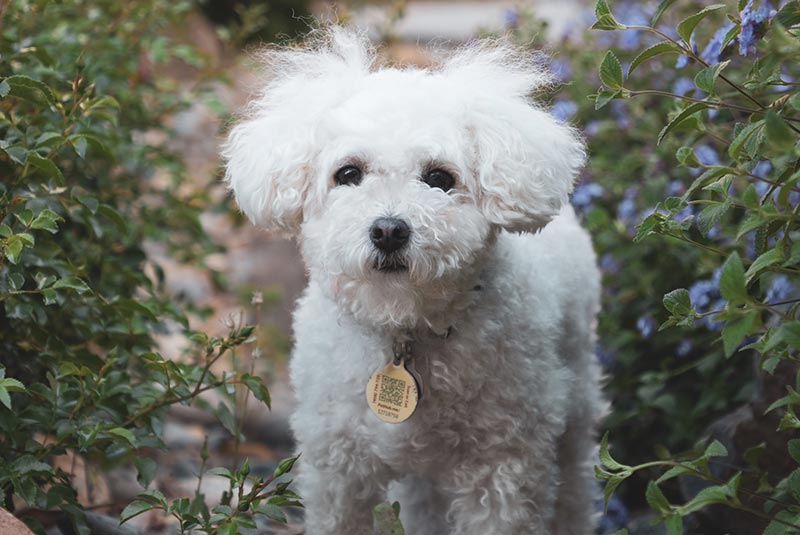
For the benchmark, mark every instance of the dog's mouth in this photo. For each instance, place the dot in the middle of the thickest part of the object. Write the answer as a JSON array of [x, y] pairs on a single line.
[[390, 264]]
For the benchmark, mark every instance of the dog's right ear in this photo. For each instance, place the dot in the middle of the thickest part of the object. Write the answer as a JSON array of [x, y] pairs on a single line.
[[270, 153]]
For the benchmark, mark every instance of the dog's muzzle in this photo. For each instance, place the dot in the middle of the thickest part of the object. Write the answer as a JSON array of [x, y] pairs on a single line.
[[390, 236]]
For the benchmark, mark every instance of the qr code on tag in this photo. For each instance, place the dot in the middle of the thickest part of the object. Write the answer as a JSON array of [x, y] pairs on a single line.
[[392, 390]]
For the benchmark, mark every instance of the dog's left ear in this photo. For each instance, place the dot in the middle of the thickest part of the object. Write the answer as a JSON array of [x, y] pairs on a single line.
[[525, 161]]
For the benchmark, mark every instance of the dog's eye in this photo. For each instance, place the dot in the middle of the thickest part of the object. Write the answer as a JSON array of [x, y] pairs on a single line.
[[439, 178], [348, 175]]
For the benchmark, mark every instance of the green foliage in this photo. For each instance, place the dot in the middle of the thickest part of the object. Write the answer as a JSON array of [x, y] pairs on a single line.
[[738, 131], [79, 369]]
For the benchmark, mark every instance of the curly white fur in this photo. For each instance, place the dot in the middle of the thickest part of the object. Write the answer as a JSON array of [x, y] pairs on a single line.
[[502, 440]]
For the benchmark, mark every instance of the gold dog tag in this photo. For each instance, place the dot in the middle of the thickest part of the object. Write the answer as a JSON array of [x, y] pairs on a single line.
[[392, 393]]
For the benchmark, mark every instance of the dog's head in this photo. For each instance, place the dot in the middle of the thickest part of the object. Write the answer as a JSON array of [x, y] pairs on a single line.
[[396, 181]]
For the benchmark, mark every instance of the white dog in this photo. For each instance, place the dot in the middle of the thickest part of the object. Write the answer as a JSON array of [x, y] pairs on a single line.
[[430, 205]]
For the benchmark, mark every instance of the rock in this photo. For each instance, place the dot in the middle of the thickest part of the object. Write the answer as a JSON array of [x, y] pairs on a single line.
[[11, 525]]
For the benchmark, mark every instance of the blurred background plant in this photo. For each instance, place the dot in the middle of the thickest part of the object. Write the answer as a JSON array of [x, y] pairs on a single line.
[[106, 219], [90, 188]]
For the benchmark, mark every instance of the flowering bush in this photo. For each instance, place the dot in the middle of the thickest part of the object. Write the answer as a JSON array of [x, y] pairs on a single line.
[[692, 196]]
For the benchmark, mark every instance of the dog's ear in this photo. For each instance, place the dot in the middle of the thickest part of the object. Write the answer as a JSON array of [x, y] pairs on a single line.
[[525, 161], [270, 153]]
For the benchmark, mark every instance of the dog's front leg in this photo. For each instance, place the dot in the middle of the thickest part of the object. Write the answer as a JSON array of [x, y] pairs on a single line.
[[512, 496], [340, 491]]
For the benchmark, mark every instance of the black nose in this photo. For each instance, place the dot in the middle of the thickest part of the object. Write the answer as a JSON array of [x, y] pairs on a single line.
[[389, 234]]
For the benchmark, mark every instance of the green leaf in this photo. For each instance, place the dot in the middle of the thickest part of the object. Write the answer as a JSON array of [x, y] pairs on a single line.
[[273, 512], [686, 26], [707, 176], [660, 48], [789, 15], [13, 248], [743, 136], [12, 385], [386, 520], [605, 456], [678, 302], [146, 470], [794, 449], [123, 433], [611, 71], [605, 19], [135, 508], [674, 524], [779, 135], [675, 471], [711, 214], [715, 449], [656, 499], [4, 89], [662, 7], [27, 464], [73, 283], [46, 166], [5, 399], [257, 387], [732, 282], [47, 220], [603, 97], [706, 79], [27, 88], [680, 118], [734, 331], [769, 258]]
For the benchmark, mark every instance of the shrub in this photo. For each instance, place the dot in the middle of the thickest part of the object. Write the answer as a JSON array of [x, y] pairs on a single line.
[[691, 194], [79, 367]]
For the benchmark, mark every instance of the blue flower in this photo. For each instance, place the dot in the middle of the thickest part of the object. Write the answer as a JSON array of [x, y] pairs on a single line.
[[683, 85], [563, 110], [762, 168], [561, 69], [684, 347], [646, 325], [626, 210], [605, 357], [609, 264], [706, 154], [779, 289], [511, 17], [705, 297], [674, 188], [615, 518], [711, 53], [583, 195], [683, 61], [752, 26]]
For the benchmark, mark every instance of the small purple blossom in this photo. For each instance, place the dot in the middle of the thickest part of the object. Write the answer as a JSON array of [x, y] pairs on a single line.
[[563, 110], [753, 19], [584, 194], [762, 168], [683, 61], [609, 264], [605, 357], [674, 188], [561, 69], [711, 53], [683, 85], [779, 289], [706, 154], [615, 518], [705, 297], [684, 347], [646, 325], [511, 17]]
